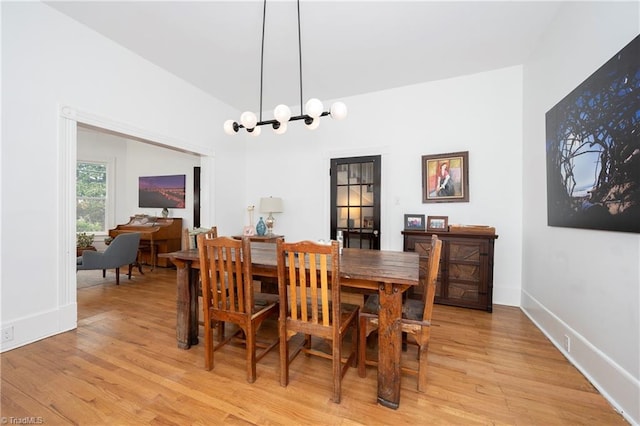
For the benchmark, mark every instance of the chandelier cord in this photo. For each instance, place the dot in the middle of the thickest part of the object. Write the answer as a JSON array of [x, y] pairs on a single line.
[[264, 16], [300, 56]]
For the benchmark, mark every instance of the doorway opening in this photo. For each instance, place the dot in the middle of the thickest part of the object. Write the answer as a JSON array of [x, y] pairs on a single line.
[[71, 120]]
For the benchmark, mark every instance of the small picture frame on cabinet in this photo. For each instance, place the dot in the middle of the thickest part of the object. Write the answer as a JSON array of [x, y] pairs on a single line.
[[368, 222], [414, 222], [438, 223]]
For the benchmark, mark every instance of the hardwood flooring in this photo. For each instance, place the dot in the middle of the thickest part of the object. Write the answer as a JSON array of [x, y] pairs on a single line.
[[121, 366]]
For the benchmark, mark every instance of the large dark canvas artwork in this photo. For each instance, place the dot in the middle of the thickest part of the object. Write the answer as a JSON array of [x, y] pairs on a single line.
[[593, 149]]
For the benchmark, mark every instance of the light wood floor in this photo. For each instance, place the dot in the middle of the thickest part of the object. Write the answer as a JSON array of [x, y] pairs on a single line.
[[122, 367]]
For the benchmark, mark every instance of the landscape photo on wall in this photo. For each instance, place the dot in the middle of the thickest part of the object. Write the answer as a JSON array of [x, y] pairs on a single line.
[[162, 191], [593, 149]]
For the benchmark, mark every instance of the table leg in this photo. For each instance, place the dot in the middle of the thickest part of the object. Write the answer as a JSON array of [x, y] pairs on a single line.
[[154, 256], [390, 345], [194, 290], [184, 333]]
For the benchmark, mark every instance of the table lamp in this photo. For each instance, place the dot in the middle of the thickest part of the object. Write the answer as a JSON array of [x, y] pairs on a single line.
[[270, 205]]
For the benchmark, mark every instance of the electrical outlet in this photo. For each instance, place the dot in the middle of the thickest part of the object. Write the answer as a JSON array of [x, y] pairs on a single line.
[[567, 343], [7, 334]]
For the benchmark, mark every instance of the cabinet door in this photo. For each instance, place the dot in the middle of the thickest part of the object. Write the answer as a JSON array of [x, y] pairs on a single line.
[[466, 275]]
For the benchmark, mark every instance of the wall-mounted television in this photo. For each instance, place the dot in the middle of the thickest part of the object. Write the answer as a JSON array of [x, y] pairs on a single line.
[[162, 191]]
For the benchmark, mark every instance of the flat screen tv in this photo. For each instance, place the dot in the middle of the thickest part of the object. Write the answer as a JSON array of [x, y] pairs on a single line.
[[161, 191]]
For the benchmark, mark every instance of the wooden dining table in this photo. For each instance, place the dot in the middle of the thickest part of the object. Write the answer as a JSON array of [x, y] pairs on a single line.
[[390, 273]]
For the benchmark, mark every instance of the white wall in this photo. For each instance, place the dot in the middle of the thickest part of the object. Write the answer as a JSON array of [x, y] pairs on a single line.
[[150, 160], [480, 113], [581, 283], [49, 60]]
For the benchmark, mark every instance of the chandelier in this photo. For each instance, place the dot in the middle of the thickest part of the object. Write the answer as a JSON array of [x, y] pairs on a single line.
[[282, 113]]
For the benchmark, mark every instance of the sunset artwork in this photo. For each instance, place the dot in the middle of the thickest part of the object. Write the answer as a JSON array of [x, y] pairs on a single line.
[[162, 191]]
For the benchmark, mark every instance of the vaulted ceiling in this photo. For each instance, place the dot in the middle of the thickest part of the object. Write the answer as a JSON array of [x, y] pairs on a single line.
[[348, 47]]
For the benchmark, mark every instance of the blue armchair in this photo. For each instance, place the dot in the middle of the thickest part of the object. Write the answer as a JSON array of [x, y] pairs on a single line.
[[122, 251]]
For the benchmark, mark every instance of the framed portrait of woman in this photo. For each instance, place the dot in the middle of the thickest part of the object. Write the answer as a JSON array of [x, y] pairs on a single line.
[[445, 177]]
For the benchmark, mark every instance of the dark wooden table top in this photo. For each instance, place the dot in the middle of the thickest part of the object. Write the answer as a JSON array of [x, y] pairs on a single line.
[[355, 264]]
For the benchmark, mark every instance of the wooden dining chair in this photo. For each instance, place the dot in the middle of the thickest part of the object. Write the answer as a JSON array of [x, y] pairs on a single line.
[[228, 297], [189, 236], [189, 242], [309, 288], [416, 317]]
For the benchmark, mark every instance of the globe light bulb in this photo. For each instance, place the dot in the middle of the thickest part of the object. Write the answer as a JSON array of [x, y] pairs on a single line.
[[256, 131], [338, 111], [314, 124], [228, 127], [313, 107], [281, 130], [248, 119], [282, 113]]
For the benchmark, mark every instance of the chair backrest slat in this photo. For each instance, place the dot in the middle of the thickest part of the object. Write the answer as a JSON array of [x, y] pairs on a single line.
[[293, 286], [324, 288], [432, 276]]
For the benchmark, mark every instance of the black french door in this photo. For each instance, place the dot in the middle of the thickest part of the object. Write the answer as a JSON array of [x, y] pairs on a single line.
[[355, 200]]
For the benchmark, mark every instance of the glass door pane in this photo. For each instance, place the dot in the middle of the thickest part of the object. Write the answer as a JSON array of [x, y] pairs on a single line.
[[355, 200]]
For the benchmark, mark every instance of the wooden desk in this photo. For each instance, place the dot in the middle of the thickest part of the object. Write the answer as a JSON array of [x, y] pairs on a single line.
[[158, 235], [388, 272]]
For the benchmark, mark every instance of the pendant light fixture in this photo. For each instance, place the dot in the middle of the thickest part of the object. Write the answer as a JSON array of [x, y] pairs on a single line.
[[282, 113]]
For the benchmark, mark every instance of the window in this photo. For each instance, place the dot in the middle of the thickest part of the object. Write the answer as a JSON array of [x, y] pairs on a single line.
[[91, 197]]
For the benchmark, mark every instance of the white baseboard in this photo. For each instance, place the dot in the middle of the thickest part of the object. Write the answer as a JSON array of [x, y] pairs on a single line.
[[617, 385], [40, 326]]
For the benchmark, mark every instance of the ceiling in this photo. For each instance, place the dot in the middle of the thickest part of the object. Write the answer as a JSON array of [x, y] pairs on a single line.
[[348, 47]]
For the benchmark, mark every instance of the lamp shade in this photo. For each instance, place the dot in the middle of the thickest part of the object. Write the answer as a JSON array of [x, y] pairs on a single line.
[[271, 205]]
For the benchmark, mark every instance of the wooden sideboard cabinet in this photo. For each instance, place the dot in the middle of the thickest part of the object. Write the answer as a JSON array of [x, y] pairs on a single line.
[[466, 266]]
